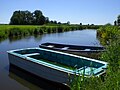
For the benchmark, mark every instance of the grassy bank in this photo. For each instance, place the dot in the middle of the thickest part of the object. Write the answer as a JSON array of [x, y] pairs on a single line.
[[110, 36], [23, 30]]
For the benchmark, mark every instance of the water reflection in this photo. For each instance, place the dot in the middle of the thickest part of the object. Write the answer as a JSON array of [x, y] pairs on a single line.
[[2, 39], [33, 82], [38, 37], [13, 39], [79, 37]]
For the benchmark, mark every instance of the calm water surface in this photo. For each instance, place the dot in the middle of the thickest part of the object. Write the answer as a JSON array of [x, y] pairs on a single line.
[[12, 81]]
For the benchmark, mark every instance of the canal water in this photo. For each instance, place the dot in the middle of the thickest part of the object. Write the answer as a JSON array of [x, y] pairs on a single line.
[[13, 79]]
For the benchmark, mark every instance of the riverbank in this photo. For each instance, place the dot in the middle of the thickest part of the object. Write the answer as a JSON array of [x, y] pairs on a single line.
[[110, 38], [23, 30], [107, 33]]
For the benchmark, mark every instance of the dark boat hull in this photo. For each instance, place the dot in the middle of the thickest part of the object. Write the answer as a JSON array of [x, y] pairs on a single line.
[[88, 51]]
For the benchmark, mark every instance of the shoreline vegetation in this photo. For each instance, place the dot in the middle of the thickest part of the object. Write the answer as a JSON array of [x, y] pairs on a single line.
[[8, 31], [106, 34]]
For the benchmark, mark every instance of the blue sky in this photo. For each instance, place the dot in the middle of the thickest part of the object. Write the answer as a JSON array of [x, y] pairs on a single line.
[[75, 11]]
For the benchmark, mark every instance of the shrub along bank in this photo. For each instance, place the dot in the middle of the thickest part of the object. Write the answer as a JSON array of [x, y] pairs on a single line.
[[23, 30]]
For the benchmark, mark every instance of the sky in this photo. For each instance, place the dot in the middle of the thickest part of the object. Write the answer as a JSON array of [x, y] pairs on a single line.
[[76, 11]]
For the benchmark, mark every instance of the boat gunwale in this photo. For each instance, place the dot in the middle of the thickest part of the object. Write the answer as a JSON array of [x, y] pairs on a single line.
[[72, 48]]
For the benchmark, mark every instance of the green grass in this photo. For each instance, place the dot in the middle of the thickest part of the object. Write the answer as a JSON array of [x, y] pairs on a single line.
[[108, 33]]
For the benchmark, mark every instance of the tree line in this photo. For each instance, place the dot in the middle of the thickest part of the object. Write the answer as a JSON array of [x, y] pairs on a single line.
[[30, 18], [37, 18]]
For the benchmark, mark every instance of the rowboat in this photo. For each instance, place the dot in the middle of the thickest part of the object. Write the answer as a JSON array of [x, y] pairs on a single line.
[[55, 66], [72, 48], [87, 51]]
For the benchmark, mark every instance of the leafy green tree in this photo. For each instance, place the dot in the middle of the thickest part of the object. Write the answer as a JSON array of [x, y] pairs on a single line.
[[51, 21], [80, 23], [47, 20], [15, 19], [28, 18], [115, 22], [39, 19], [108, 24], [55, 22], [68, 22], [118, 20], [21, 18], [59, 22]]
